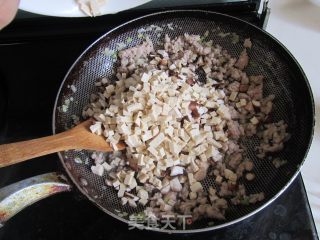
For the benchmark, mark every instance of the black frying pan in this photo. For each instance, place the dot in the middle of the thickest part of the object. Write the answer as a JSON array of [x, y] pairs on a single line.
[[284, 78]]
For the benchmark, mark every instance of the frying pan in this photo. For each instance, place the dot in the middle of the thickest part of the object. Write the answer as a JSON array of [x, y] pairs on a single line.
[[284, 78]]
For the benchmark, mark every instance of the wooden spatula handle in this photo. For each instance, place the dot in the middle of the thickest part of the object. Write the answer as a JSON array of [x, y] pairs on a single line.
[[17, 152], [78, 137]]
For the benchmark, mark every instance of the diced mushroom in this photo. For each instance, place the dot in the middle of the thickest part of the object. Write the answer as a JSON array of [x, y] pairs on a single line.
[[176, 170], [175, 185]]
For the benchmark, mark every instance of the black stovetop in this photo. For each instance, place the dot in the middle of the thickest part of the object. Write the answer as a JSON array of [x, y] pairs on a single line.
[[35, 54]]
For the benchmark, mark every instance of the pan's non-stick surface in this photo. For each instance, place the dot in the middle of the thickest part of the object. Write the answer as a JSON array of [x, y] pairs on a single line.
[[284, 78]]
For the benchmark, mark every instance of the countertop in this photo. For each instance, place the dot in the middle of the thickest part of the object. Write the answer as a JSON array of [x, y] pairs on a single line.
[[296, 23]]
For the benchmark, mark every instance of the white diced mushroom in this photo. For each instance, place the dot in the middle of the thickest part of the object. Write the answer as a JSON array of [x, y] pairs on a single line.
[[135, 107], [146, 136], [194, 166], [132, 203], [128, 179], [165, 109], [133, 184], [219, 135], [233, 96], [206, 69], [143, 177], [218, 179], [223, 111], [141, 161], [207, 128], [116, 183], [96, 128], [216, 120], [97, 169], [155, 130], [124, 200], [145, 77], [143, 194], [157, 140], [176, 170], [172, 101], [121, 190], [243, 102], [153, 151], [143, 201], [162, 152], [196, 187], [156, 182], [192, 195], [175, 185], [230, 175], [191, 178], [175, 149], [256, 103], [194, 132], [133, 141], [106, 166], [157, 172], [254, 121], [165, 189], [172, 67]]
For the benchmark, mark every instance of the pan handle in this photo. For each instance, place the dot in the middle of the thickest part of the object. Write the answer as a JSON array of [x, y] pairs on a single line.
[[17, 196]]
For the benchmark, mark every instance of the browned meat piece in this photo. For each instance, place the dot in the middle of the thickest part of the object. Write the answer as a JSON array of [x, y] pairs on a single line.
[[214, 213], [243, 60], [243, 88], [232, 147], [267, 104], [273, 137], [234, 129], [217, 75], [255, 91], [202, 172], [224, 190], [247, 43], [131, 55], [193, 106], [250, 129], [235, 74], [234, 86], [233, 113], [244, 78], [234, 160], [244, 96], [249, 107], [256, 79], [266, 107]]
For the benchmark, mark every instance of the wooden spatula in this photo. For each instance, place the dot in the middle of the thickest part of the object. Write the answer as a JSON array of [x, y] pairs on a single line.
[[78, 137]]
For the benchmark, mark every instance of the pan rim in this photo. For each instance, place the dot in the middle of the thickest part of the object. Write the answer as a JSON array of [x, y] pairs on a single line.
[[210, 228]]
